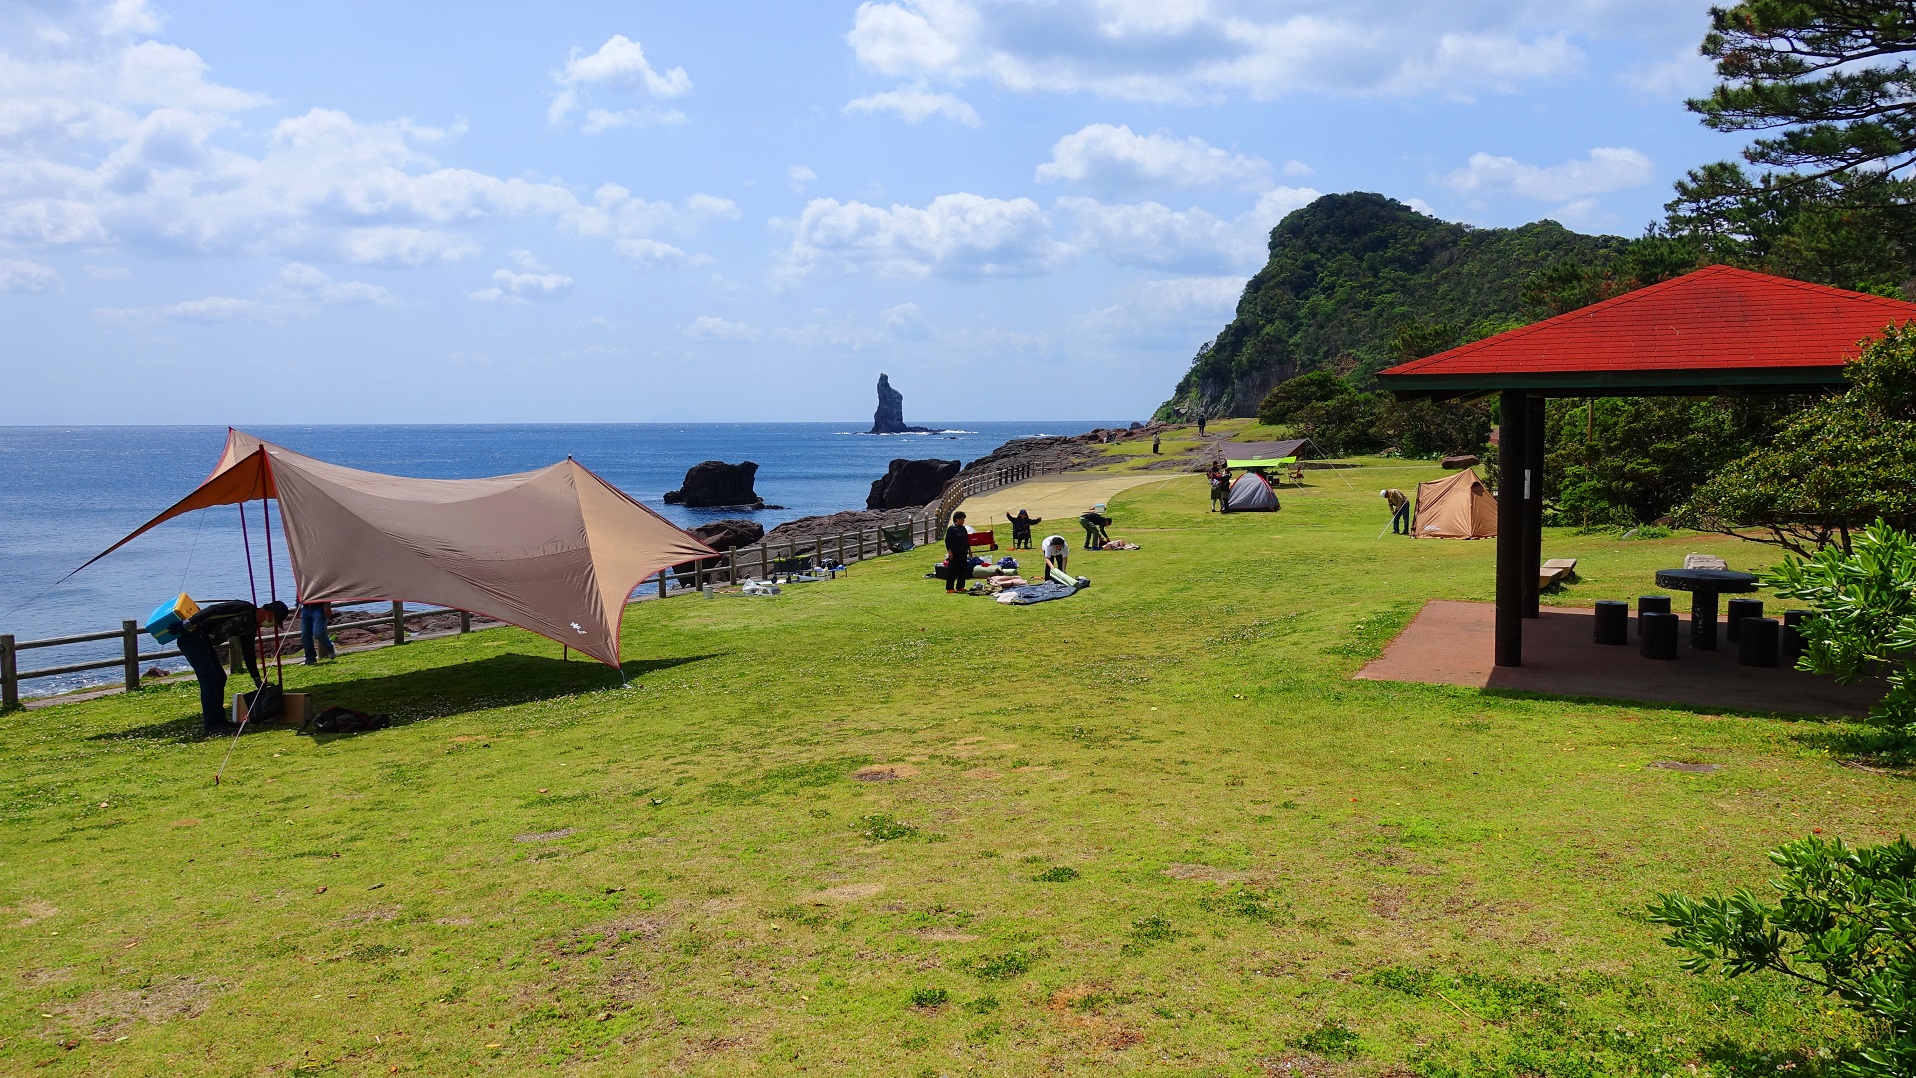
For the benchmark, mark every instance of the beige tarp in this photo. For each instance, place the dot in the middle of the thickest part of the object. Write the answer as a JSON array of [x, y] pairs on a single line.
[[556, 551], [1455, 507]]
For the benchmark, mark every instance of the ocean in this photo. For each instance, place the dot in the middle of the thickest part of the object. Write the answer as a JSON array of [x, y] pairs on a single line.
[[67, 493]]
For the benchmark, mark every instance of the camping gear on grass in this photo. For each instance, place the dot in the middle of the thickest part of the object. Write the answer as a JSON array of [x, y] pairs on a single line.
[[344, 720], [1455, 507], [556, 551], [168, 617], [1251, 493]]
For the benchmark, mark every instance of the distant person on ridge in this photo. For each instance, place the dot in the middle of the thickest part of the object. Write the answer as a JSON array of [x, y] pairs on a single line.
[[1157, 439], [312, 631], [957, 555], [1200, 424], [1399, 510], [1021, 529], [201, 639]]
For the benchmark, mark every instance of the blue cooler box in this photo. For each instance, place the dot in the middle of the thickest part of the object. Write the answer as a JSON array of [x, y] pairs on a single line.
[[165, 621]]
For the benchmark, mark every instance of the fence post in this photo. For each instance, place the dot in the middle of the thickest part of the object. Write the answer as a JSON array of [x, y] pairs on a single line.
[[465, 621], [9, 674], [661, 583], [399, 622], [130, 652]]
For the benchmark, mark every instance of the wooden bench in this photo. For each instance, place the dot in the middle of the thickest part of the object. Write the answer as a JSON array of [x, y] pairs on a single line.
[[987, 539], [1557, 571]]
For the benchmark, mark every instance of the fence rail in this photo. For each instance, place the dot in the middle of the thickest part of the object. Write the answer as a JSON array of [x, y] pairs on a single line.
[[758, 561]]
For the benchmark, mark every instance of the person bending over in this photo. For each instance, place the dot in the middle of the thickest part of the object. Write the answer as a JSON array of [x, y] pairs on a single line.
[[1056, 552], [957, 556], [1094, 524], [1399, 510], [217, 626]]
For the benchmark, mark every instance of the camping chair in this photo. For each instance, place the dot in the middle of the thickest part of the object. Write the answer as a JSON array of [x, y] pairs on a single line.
[[898, 539], [800, 565]]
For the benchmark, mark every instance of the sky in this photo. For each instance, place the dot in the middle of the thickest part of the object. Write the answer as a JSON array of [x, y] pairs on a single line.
[[356, 212]]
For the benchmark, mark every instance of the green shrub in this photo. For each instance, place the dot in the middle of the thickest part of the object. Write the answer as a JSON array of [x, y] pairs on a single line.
[[1865, 620], [1332, 1040], [1000, 967], [1845, 923], [1057, 874], [882, 827], [928, 998]]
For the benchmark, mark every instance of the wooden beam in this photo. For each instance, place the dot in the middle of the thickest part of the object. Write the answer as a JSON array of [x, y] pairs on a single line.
[[1511, 439]]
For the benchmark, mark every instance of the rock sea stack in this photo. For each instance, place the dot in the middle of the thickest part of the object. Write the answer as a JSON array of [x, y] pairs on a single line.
[[890, 416], [911, 483], [715, 483]]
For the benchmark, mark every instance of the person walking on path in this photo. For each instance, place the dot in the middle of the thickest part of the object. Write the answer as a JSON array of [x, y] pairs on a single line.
[[218, 626], [1399, 510], [1021, 529], [1157, 439], [957, 556], [312, 632], [1200, 424]]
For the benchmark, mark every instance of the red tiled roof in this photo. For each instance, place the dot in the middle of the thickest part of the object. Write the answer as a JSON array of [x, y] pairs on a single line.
[[1718, 318]]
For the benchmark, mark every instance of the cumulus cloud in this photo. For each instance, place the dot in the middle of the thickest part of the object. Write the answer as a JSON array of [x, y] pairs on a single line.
[[301, 283], [1153, 235], [20, 275], [957, 235], [713, 328], [299, 291], [915, 103], [532, 282], [1605, 169], [1116, 158], [905, 321], [619, 66], [108, 139], [800, 177], [208, 311], [1199, 50], [1150, 309]]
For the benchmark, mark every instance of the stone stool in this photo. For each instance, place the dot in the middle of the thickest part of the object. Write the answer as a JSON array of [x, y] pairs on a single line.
[[1740, 609], [1658, 632], [1613, 621], [1756, 642]]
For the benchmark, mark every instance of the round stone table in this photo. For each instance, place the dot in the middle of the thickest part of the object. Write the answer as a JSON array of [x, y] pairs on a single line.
[[1704, 585]]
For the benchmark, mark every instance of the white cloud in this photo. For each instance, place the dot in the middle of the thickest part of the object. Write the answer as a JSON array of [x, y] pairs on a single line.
[[208, 311], [533, 283], [109, 140], [1297, 170], [20, 275], [712, 328], [905, 321], [1150, 309], [915, 103], [1206, 50], [842, 336], [619, 65], [960, 235], [1116, 158], [301, 283], [1684, 73], [1606, 169], [800, 177], [107, 273], [1152, 234]]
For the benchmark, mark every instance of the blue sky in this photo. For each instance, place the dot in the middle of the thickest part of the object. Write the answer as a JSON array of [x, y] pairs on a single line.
[[357, 212]]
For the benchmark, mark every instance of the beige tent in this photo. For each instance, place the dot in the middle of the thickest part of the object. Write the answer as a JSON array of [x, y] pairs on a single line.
[[556, 551], [1455, 507]]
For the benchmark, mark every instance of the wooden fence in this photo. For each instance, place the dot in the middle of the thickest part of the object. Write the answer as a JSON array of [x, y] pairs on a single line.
[[760, 561]]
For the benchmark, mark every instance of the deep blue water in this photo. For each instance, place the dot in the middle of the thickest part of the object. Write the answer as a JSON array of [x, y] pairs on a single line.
[[66, 493]]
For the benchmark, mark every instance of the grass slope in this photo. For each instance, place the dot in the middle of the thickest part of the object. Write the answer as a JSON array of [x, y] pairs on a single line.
[[1154, 828]]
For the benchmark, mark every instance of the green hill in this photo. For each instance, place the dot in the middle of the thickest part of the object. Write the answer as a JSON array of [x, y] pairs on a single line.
[[1345, 272]]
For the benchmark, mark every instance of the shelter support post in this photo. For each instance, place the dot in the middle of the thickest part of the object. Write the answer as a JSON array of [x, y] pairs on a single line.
[[399, 622], [130, 653], [661, 583], [1533, 503], [9, 673], [465, 621], [1513, 435]]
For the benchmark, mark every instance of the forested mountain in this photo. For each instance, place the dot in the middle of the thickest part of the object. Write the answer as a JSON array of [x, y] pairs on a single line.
[[1346, 273]]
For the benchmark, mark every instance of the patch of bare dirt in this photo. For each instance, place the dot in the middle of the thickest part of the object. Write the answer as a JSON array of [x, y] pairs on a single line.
[[983, 774], [1683, 765], [1208, 873], [192, 822], [377, 913], [109, 1013], [947, 935], [36, 910], [885, 773], [546, 836], [1389, 903], [1301, 1065], [849, 892], [36, 977]]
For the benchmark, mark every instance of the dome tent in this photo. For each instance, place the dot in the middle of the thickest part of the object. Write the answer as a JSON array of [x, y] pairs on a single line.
[[1455, 507], [1251, 493]]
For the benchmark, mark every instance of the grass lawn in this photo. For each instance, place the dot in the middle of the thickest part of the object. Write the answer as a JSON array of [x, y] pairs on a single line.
[[865, 828]]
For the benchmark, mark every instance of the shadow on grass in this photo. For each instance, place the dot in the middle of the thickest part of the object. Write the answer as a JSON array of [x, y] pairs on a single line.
[[439, 692]]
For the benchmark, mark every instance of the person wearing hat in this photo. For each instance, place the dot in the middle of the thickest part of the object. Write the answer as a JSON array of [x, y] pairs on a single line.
[[216, 627], [1021, 529], [957, 555], [1399, 510]]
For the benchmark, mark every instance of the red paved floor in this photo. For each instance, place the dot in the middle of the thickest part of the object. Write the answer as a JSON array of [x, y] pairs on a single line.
[[1451, 643]]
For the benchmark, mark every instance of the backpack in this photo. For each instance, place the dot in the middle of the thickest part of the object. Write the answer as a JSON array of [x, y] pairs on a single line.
[[265, 703], [344, 720]]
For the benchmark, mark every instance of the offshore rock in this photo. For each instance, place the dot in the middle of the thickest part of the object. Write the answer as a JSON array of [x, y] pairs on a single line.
[[716, 483], [728, 534], [890, 416], [911, 483]]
